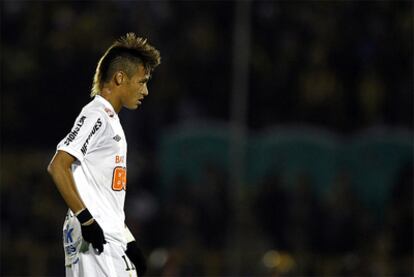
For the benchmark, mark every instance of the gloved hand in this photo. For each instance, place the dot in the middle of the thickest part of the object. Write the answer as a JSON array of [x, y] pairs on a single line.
[[136, 256], [91, 231]]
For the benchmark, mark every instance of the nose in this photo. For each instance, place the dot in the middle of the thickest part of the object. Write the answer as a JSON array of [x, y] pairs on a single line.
[[145, 90]]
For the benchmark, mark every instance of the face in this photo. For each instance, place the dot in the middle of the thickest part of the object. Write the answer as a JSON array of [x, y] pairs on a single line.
[[135, 89]]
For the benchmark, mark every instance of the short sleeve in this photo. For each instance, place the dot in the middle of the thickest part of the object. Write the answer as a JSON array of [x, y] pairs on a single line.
[[84, 135]]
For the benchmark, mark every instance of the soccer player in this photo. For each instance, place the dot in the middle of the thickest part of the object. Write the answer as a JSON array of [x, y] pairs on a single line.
[[89, 166]]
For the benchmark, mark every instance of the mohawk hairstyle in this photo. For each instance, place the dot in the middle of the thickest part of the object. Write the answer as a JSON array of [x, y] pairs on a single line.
[[125, 54]]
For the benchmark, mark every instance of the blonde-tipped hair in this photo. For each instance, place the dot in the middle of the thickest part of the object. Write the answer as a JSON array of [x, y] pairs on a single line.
[[125, 54]]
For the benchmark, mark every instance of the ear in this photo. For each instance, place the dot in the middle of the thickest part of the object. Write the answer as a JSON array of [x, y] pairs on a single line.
[[119, 77]]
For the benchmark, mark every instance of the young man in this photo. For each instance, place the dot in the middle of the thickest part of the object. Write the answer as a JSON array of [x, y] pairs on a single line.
[[89, 167]]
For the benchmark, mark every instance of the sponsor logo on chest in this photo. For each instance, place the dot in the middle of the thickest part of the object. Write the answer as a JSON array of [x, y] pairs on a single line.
[[119, 159]]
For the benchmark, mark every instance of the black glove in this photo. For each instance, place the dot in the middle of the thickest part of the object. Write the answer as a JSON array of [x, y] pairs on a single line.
[[91, 231], [136, 256]]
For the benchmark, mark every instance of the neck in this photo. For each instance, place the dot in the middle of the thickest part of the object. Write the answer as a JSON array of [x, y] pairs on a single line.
[[110, 97]]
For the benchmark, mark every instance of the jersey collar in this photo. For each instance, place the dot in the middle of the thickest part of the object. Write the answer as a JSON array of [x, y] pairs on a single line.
[[108, 106]]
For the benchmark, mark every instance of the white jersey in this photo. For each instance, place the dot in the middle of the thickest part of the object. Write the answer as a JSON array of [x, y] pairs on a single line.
[[98, 142]]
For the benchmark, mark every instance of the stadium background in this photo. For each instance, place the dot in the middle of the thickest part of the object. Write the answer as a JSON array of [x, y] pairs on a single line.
[[277, 139]]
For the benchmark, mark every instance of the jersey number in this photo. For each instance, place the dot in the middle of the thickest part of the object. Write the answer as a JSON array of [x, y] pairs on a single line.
[[119, 179], [129, 266]]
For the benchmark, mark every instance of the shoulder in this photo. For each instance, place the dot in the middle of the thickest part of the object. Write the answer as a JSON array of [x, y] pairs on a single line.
[[93, 118], [95, 110]]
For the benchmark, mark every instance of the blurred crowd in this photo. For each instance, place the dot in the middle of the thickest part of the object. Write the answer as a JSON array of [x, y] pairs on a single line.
[[343, 65], [339, 65], [286, 230]]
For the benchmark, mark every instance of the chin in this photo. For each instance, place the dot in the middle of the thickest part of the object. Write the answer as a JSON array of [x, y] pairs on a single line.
[[132, 107]]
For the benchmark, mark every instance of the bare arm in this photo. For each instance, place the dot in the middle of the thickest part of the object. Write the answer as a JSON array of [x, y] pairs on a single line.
[[60, 170]]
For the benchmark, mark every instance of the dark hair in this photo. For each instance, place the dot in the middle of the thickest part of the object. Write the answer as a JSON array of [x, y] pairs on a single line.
[[125, 54]]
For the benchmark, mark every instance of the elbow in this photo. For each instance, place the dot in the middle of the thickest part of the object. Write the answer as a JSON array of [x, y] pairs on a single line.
[[51, 168], [59, 163]]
